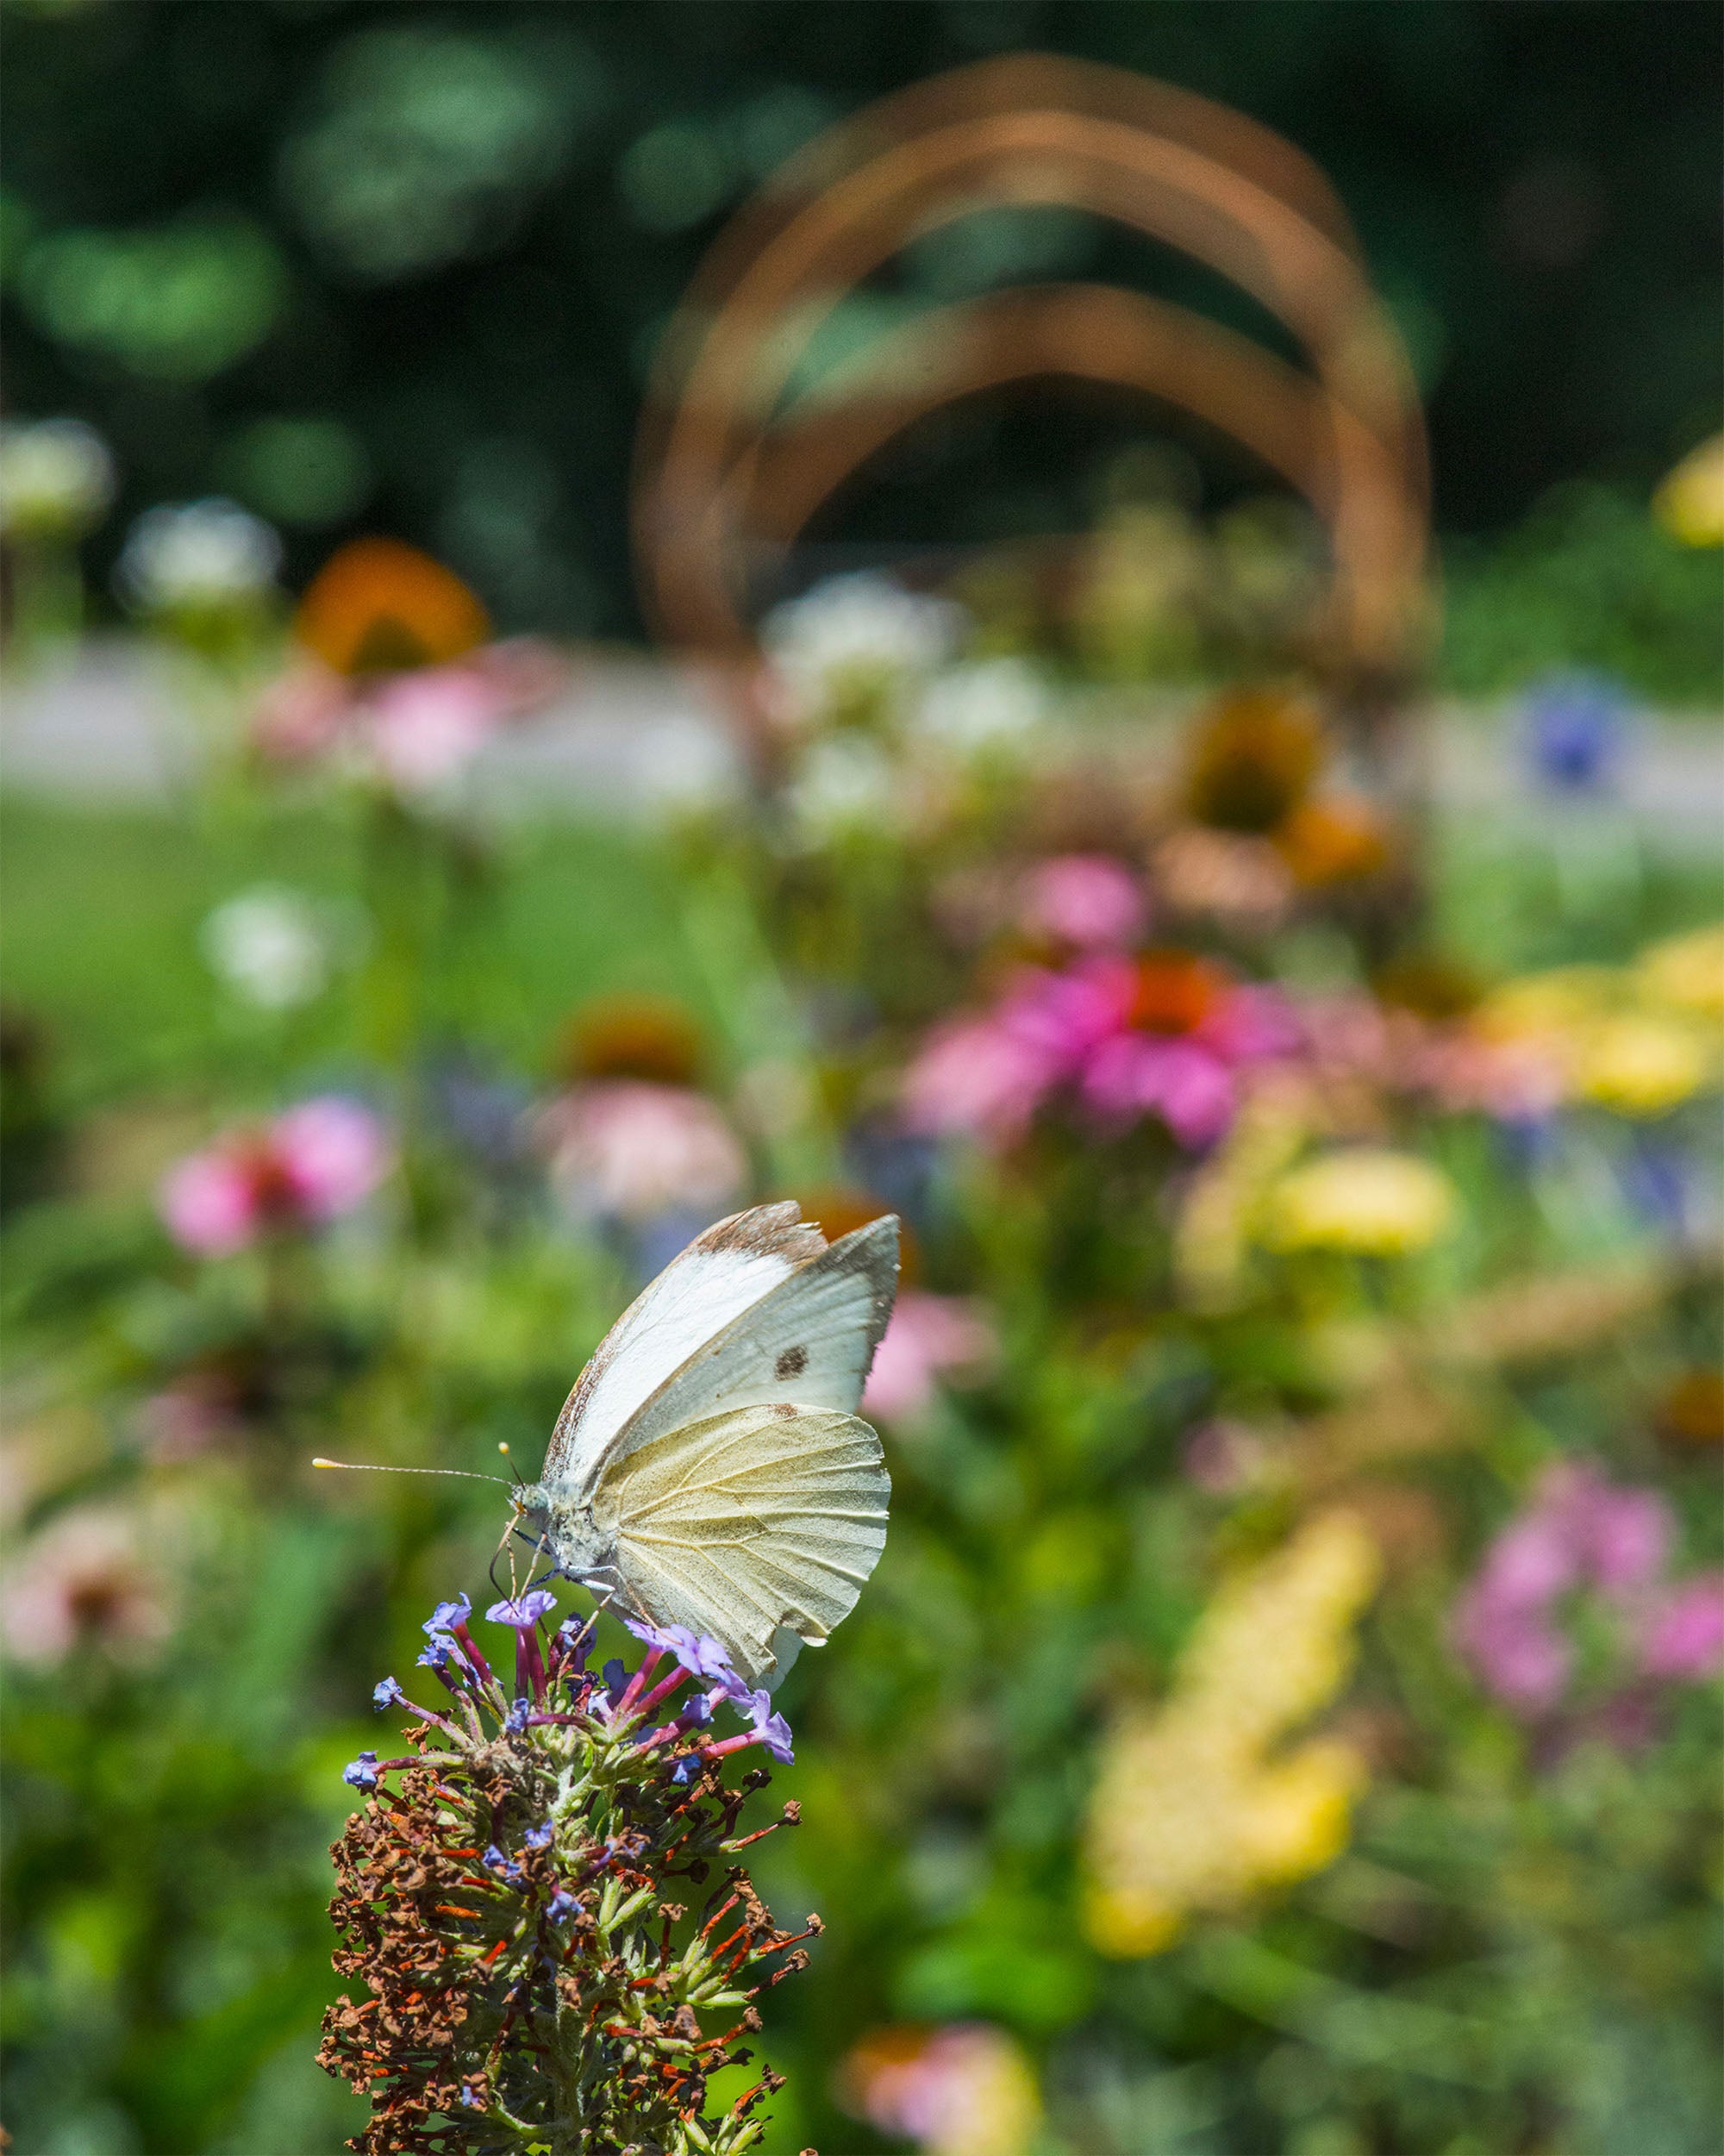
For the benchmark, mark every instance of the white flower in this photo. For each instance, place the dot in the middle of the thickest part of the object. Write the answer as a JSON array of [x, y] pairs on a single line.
[[844, 784], [856, 635], [971, 710], [56, 478], [197, 556], [269, 946]]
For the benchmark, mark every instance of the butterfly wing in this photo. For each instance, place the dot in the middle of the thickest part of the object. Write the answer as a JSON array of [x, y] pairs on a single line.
[[721, 1274], [759, 1526], [807, 1342]]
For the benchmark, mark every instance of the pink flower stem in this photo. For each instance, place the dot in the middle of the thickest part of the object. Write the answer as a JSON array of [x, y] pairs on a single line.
[[636, 1683]]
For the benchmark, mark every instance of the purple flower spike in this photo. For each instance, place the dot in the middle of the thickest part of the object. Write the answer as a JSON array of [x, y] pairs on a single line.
[[389, 1694], [448, 1617], [361, 1774], [528, 1610]]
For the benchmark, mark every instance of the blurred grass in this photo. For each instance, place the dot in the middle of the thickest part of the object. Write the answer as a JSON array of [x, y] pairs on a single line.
[[102, 912]]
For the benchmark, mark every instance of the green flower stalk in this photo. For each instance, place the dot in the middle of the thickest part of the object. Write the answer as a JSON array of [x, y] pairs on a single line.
[[544, 1902]]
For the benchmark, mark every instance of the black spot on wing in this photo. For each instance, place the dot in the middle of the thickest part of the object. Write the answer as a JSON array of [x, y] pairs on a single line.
[[791, 1364]]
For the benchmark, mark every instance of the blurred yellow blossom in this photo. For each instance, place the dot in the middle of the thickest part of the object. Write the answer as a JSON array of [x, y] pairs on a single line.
[[1189, 1812], [1640, 1064], [1689, 503], [1688, 971], [1375, 1202], [1213, 1229]]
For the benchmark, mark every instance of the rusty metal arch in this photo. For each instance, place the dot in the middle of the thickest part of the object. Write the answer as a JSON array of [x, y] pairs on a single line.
[[720, 413]]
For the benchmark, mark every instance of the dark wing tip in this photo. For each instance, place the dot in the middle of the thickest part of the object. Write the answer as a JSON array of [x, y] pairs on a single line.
[[765, 1231]]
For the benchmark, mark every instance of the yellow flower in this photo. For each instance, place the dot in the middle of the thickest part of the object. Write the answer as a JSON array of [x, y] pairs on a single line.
[[1377, 1203], [1689, 504], [1687, 971], [1541, 1005], [1191, 1811], [1641, 1065]]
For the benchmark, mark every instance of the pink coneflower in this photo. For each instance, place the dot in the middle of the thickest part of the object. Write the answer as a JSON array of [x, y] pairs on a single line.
[[83, 1581], [929, 1336], [634, 1150], [308, 1166], [423, 728], [1160, 1034]]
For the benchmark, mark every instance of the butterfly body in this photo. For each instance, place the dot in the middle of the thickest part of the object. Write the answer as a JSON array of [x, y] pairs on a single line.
[[708, 1468]]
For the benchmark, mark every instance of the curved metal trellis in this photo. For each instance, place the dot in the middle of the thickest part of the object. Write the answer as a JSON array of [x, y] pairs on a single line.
[[734, 459]]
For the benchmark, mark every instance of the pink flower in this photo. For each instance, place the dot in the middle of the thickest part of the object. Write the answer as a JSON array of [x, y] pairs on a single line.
[[425, 726], [633, 1149], [1187, 1086], [979, 1077], [1685, 1636], [928, 1336], [309, 1165], [82, 1580], [1083, 899], [300, 714], [1583, 1531]]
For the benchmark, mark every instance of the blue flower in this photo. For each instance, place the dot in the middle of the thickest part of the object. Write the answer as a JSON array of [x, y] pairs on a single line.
[[495, 1861], [775, 1733], [437, 1657], [1574, 727], [615, 1679], [446, 1616], [772, 1730], [539, 1837], [527, 1612], [684, 1772], [700, 1655], [361, 1774], [473, 2103], [562, 1903], [389, 1694], [698, 1711], [515, 1720]]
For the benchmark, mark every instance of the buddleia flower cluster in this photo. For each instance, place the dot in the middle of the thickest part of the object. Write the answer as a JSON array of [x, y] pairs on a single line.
[[544, 1901]]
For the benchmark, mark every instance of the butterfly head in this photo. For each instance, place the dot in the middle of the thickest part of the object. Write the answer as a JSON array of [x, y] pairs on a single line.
[[564, 1529]]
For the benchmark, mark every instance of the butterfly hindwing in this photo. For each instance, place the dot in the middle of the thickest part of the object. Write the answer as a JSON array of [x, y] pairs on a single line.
[[765, 1520], [720, 1275]]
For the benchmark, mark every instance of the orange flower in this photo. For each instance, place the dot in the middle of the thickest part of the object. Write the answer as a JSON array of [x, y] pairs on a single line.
[[378, 606], [1175, 991], [1252, 760], [1336, 840], [1692, 1411], [840, 1211], [649, 1037]]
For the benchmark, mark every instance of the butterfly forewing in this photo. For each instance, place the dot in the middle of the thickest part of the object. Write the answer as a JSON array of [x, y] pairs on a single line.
[[745, 1524], [721, 1274], [807, 1342]]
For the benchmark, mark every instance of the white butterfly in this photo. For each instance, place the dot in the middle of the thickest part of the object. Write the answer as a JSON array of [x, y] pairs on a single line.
[[708, 1469]]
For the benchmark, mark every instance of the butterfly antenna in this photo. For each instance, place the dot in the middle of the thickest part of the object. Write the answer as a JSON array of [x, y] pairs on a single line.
[[369, 1467], [517, 1480]]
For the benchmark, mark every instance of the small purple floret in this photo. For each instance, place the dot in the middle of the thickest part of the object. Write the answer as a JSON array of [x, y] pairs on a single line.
[[361, 1774], [446, 1616], [389, 1694], [527, 1611], [539, 1837]]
